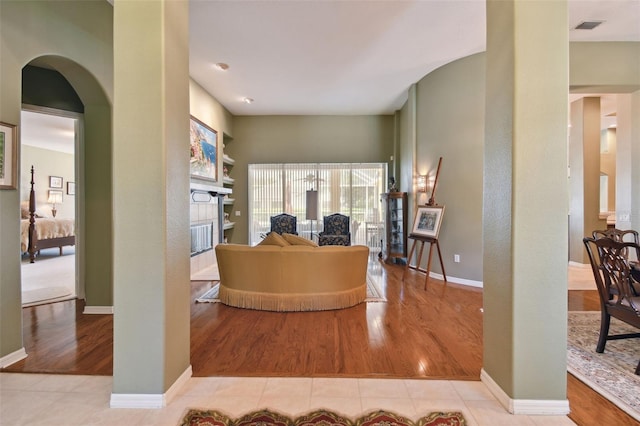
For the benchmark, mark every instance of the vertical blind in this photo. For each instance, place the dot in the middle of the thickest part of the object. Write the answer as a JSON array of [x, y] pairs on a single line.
[[352, 189]]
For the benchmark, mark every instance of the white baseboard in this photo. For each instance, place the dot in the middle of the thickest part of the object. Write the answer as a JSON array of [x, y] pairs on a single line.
[[172, 392], [13, 357], [150, 400], [98, 310], [137, 400], [546, 407], [455, 280]]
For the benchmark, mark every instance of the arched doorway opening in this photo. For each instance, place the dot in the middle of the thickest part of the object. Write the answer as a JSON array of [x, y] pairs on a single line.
[[48, 146], [90, 108]]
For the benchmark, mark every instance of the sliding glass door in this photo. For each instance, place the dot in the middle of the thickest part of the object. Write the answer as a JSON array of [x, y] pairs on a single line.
[[352, 189]]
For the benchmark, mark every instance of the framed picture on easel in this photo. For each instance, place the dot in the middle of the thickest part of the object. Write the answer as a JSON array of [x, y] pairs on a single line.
[[427, 221]]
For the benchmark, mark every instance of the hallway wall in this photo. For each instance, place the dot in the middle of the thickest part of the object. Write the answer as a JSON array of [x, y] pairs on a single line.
[[56, 32]]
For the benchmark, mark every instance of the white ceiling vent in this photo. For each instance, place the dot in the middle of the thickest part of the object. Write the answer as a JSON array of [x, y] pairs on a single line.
[[588, 25]]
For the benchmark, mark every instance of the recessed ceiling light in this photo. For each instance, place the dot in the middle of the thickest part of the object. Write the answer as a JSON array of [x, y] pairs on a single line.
[[247, 100], [588, 25], [221, 66]]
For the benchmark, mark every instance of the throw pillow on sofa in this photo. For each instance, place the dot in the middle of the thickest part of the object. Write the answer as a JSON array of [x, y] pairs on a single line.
[[274, 239], [295, 240]]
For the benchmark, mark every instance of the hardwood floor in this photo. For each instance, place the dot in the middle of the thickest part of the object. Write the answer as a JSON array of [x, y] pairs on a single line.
[[415, 334], [58, 338]]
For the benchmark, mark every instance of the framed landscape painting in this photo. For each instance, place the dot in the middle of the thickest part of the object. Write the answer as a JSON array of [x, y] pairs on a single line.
[[8, 156], [204, 143], [428, 220]]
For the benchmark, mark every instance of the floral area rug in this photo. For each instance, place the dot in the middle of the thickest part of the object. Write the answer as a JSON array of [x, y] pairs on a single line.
[[612, 373], [318, 418]]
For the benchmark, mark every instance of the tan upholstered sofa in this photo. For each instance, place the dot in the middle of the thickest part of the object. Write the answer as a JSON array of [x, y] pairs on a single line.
[[292, 278]]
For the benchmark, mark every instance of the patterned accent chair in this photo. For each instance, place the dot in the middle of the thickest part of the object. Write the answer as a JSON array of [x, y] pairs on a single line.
[[284, 223], [336, 231]]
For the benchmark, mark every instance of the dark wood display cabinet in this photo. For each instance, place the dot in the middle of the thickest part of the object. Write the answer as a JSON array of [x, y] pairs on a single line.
[[394, 243]]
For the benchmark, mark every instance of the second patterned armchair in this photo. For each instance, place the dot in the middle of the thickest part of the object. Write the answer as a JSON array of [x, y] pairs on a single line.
[[336, 231], [284, 223]]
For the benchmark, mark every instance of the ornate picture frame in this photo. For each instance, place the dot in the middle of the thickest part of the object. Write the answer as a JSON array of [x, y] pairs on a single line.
[[8, 155], [428, 221], [204, 145]]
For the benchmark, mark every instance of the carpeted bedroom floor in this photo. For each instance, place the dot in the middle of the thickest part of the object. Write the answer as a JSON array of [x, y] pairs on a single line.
[[50, 279]]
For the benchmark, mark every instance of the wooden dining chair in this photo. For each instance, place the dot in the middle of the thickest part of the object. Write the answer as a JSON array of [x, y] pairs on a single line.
[[626, 235], [612, 272]]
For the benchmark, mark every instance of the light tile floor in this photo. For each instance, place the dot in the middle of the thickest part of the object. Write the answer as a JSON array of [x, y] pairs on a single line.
[[60, 400]]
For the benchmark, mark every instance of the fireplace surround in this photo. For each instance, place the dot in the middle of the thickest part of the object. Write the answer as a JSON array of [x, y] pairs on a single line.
[[206, 223]]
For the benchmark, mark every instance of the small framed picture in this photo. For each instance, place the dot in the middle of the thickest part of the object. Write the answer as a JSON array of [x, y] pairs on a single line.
[[428, 220], [8, 157], [71, 188], [55, 182]]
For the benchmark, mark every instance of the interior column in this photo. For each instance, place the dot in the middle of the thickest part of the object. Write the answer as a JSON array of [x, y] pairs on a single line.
[[525, 205], [584, 163], [628, 155], [151, 201]]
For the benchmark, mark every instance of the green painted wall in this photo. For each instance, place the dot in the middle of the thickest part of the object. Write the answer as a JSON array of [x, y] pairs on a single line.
[[75, 38], [207, 109], [604, 67], [447, 98], [303, 139]]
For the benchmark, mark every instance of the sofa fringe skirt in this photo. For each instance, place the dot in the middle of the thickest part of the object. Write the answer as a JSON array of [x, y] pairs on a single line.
[[292, 302]]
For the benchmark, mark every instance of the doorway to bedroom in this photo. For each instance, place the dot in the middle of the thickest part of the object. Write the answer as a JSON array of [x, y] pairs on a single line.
[[48, 159]]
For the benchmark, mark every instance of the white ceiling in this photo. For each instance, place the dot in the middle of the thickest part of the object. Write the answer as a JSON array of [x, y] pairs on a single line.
[[351, 57], [47, 131], [308, 57]]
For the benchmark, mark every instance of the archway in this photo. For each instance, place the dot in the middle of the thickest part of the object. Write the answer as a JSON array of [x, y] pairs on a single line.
[[93, 176]]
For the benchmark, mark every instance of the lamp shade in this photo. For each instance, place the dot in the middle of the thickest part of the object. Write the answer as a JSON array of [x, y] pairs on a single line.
[[421, 183], [312, 204], [55, 197]]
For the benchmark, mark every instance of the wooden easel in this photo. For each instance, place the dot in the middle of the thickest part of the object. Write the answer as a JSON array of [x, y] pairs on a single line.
[[422, 239]]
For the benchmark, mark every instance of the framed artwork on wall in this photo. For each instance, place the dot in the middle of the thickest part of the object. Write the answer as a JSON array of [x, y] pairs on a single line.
[[204, 144], [55, 182], [71, 188], [427, 221], [8, 155]]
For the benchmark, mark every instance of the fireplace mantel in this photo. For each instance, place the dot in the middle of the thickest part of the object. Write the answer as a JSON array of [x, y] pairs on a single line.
[[212, 189]]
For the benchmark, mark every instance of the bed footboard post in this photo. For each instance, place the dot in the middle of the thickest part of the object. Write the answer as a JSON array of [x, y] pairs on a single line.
[[32, 220]]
